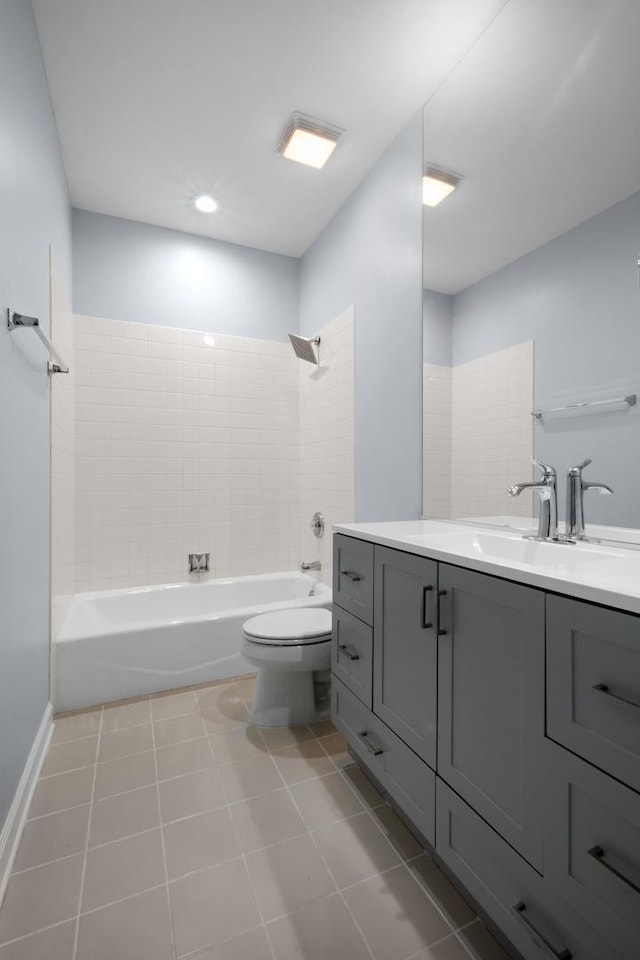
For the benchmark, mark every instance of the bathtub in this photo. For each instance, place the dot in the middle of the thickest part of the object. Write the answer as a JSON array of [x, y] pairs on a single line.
[[116, 644]]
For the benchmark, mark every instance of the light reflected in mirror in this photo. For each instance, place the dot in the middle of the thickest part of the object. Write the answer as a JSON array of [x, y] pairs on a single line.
[[531, 296]]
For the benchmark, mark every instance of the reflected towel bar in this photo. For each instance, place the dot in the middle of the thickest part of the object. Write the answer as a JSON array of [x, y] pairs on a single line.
[[17, 320], [631, 399]]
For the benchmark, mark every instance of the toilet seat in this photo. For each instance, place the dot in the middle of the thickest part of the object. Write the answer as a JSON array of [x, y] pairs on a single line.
[[295, 626]]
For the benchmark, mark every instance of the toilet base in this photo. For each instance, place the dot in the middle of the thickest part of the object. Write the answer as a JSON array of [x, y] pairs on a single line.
[[285, 699]]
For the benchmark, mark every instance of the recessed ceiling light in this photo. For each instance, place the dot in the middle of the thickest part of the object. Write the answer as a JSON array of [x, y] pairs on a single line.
[[438, 184], [308, 141], [205, 204]]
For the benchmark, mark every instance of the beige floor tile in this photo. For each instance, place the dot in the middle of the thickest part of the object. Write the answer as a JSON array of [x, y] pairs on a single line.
[[394, 915], [168, 705], [122, 869], [323, 728], [250, 778], [124, 743], [134, 929], [267, 819], [248, 946], [126, 773], [448, 949], [355, 849], [178, 729], [212, 906], [335, 746], [324, 800], [219, 696], [302, 761], [276, 738], [481, 944], [288, 875], [442, 891], [193, 793], [52, 837], [70, 756], [181, 758], [54, 944], [200, 841], [365, 789], [40, 897], [221, 708], [320, 930], [61, 791], [395, 831], [125, 715], [126, 814], [76, 726], [246, 688], [237, 744]]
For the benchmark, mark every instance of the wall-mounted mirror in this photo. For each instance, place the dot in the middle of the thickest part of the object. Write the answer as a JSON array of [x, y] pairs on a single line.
[[531, 282]]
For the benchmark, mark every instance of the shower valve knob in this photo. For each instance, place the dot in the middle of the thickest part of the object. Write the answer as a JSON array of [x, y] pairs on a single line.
[[317, 524]]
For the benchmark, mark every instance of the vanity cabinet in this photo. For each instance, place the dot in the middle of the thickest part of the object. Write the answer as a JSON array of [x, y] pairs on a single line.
[[503, 721], [491, 702]]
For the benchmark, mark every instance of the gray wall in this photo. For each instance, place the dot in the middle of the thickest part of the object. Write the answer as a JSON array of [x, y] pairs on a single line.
[[34, 212], [125, 270], [370, 255], [436, 327], [578, 298]]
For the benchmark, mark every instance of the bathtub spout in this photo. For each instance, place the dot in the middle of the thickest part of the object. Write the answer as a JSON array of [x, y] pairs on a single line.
[[314, 565]]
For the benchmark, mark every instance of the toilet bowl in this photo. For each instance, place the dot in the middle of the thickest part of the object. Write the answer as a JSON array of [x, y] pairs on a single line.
[[289, 649]]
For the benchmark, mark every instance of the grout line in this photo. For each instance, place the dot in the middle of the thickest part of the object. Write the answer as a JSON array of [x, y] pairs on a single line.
[[52, 813], [86, 850], [25, 936], [163, 845]]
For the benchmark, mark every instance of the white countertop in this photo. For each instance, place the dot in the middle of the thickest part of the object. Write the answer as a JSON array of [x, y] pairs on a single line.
[[601, 573]]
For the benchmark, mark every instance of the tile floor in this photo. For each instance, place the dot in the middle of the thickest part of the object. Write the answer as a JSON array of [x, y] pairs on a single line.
[[170, 827]]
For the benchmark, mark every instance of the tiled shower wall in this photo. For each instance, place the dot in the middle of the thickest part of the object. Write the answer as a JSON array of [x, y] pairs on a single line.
[[327, 401], [436, 440], [185, 443], [491, 434]]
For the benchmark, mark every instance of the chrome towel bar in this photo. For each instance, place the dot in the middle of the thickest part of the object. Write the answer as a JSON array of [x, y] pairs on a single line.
[[16, 320], [631, 400]]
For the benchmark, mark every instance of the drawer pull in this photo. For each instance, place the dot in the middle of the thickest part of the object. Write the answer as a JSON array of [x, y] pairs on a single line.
[[603, 688], [441, 631], [424, 623], [371, 745], [348, 651], [354, 577], [518, 910], [598, 854]]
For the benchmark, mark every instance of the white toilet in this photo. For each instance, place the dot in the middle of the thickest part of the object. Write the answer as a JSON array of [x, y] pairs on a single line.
[[290, 649]]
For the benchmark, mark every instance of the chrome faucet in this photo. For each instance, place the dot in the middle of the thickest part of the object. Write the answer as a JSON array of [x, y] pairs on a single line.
[[575, 500], [547, 488], [314, 565]]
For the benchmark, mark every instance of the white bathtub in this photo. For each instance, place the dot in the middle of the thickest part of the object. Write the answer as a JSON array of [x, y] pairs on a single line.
[[116, 644]]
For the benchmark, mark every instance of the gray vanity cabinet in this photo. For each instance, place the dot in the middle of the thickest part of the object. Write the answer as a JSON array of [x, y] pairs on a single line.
[[353, 576], [593, 685], [405, 648], [491, 702]]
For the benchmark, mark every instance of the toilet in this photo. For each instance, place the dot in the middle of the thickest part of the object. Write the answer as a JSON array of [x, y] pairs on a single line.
[[291, 651]]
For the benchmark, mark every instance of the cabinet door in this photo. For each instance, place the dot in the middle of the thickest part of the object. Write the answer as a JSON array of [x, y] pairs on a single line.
[[405, 661], [352, 653], [491, 702], [353, 576]]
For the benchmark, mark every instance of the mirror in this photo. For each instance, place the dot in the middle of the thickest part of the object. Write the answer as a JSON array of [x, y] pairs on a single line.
[[531, 301]]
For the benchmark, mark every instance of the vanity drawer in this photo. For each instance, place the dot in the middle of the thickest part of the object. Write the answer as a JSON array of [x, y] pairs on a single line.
[[409, 781], [353, 576], [352, 652], [593, 685], [592, 846], [525, 908]]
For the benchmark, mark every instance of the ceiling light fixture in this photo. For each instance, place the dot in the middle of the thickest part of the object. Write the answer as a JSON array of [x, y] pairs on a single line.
[[205, 204], [438, 184], [308, 141]]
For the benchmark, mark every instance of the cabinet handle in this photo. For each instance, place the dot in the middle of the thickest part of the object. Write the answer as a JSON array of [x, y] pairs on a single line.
[[598, 854], [371, 746], [441, 631], [424, 623], [354, 577], [348, 651], [518, 911], [603, 688]]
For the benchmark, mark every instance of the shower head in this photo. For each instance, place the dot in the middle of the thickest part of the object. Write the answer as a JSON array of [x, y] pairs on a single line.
[[304, 347]]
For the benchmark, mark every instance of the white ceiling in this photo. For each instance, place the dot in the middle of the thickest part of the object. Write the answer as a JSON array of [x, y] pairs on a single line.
[[159, 100], [542, 118]]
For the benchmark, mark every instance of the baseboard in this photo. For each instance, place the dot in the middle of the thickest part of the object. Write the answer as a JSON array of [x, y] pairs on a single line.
[[14, 824]]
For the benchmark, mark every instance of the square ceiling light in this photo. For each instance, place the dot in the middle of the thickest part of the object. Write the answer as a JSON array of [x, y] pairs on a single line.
[[437, 184], [308, 141]]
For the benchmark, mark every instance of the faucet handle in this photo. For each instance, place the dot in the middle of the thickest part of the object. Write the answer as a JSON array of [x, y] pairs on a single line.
[[577, 470], [548, 472]]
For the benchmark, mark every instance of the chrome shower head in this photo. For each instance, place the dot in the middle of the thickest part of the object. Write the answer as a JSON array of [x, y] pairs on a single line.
[[304, 348]]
